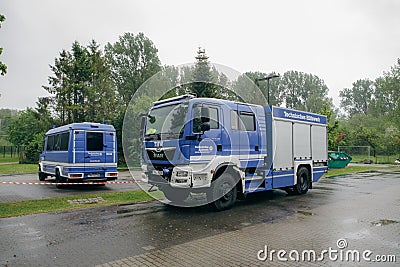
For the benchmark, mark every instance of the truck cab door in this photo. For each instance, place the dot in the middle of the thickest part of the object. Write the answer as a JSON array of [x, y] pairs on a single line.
[[248, 137], [208, 142]]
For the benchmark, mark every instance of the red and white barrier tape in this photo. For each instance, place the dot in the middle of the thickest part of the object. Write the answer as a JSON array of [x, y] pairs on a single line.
[[72, 183]]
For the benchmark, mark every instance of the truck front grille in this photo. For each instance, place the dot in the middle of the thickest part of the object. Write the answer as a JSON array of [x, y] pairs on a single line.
[[161, 154]]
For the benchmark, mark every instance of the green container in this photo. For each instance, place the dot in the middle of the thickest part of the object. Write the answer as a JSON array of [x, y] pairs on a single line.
[[337, 160]]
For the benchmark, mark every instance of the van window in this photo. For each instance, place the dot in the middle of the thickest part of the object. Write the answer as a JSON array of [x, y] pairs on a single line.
[[57, 142], [50, 143], [94, 141], [64, 138]]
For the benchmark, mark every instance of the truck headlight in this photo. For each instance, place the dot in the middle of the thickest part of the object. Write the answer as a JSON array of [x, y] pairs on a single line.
[[182, 174]]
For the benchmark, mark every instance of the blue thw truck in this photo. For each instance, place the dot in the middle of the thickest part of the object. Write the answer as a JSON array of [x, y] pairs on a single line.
[[228, 149], [79, 152]]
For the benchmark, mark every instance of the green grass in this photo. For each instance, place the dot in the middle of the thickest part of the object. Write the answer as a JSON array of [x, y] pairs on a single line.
[[385, 159], [8, 158], [354, 169], [379, 159], [18, 168], [11, 209], [360, 158]]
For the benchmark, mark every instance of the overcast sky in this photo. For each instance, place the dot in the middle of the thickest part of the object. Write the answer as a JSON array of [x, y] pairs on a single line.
[[340, 40]]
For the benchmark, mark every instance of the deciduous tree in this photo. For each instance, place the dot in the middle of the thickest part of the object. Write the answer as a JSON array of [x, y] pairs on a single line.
[[303, 91], [132, 59], [357, 100]]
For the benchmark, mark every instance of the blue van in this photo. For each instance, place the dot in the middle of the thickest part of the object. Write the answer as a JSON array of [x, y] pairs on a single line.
[[79, 152]]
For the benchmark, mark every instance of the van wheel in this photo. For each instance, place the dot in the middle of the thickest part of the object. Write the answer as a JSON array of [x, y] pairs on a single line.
[[303, 181], [42, 176], [224, 192], [59, 179]]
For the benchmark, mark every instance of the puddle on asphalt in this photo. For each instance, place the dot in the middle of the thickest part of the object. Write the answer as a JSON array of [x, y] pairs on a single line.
[[361, 234], [383, 222], [306, 213], [322, 188], [350, 221], [138, 208]]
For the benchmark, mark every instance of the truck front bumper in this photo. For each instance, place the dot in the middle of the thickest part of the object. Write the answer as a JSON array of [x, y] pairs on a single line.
[[179, 177]]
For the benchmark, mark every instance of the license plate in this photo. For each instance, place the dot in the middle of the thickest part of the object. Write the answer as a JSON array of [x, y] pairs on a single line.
[[94, 175], [156, 172]]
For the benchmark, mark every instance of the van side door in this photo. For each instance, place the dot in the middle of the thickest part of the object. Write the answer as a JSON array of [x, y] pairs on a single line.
[[110, 147]]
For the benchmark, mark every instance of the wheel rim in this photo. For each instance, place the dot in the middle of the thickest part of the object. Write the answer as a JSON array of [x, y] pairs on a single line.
[[303, 182], [226, 190]]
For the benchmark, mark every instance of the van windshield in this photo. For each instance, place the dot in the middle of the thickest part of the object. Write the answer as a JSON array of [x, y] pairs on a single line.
[[166, 122]]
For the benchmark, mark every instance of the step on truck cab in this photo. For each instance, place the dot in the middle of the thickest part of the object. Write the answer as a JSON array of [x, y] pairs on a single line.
[[79, 152], [228, 149]]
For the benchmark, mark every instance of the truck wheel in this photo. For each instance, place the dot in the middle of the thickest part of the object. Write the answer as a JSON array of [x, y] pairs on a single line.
[[303, 181], [176, 195], [224, 192]]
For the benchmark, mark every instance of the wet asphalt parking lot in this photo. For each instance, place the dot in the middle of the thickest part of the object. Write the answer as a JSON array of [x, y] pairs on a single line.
[[39, 190], [362, 210]]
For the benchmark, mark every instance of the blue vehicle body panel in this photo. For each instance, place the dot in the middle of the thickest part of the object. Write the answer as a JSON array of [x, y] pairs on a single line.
[[86, 149], [253, 147]]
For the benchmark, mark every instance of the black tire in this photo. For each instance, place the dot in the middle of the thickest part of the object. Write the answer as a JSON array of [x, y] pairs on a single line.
[[176, 195], [224, 192], [303, 181], [42, 176], [59, 179]]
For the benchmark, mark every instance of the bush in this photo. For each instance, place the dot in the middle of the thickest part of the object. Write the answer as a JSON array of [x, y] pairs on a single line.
[[30, 155], [32, 150]]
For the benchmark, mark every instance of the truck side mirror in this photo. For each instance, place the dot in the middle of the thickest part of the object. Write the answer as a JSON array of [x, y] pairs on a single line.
[[142, 124]]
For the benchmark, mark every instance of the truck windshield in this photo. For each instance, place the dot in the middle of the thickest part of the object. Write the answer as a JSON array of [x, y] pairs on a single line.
[[166, 122]]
